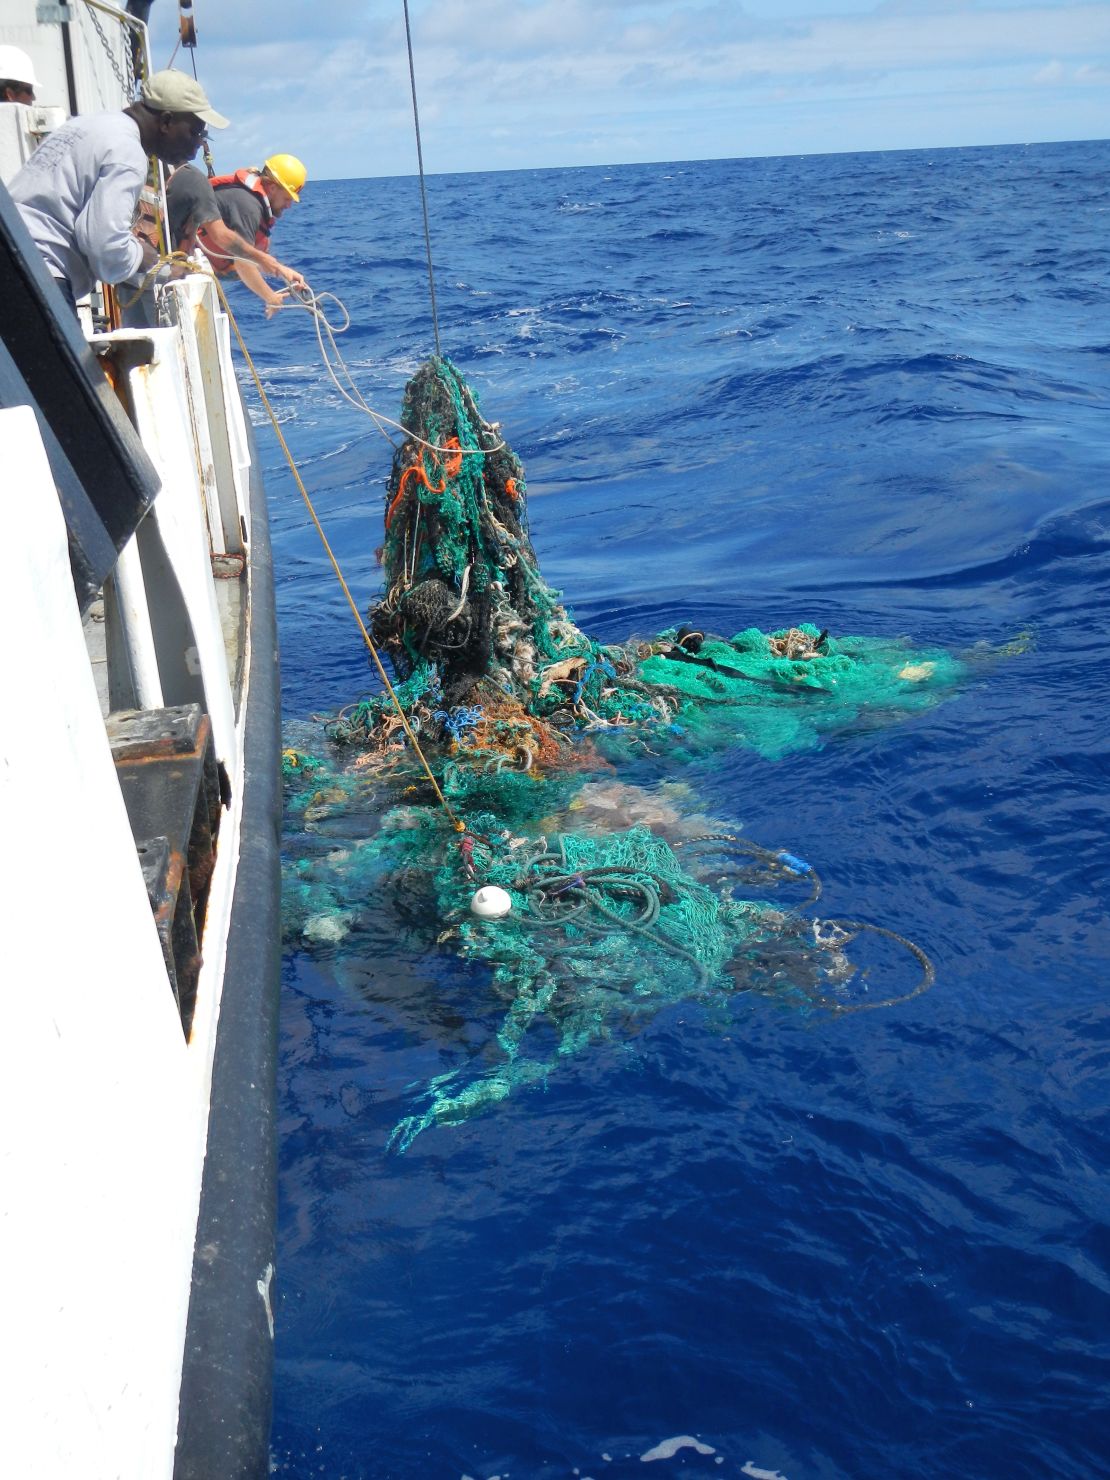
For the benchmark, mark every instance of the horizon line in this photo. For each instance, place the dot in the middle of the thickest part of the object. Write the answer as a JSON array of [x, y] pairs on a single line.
[[713, 159]]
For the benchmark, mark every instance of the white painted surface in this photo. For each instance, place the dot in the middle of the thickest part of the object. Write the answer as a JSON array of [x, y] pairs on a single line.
[[161, 403], [236, 425], [105, 1108], [98, 85], [43, 44], [183, 300], [210, 326], [134, 615], [23, 127], [99, 1163]]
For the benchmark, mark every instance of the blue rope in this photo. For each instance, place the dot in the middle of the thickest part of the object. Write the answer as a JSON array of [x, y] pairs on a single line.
[[600, 665], [455, 721]]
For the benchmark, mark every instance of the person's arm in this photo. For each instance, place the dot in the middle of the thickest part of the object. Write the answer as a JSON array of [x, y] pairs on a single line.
[[250, 275], [225, 240]]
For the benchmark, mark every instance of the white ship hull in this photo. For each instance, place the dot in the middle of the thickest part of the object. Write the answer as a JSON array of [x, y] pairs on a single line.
[[137, 1164]]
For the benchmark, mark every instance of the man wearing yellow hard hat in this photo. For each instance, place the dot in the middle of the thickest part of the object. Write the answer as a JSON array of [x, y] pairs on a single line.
[[250, 202]]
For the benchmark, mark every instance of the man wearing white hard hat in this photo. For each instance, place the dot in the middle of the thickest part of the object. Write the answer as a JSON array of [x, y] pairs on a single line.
[[17, 76], [78, 192]]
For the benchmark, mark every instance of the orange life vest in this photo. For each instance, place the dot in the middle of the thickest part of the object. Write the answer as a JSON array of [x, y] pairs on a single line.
[[251, 179]]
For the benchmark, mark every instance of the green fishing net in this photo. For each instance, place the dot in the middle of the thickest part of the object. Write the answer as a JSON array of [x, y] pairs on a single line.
[[523, 721], [750, 690], [609, 923], [491, 665]]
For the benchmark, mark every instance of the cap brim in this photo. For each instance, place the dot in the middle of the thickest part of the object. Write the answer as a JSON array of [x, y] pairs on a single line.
[[211, 117]]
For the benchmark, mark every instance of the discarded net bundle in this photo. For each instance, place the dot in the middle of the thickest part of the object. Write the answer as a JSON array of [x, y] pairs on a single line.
[[494, 671], [603, 930], [513, 707], [485, 652], [783, 691], [463, 589]]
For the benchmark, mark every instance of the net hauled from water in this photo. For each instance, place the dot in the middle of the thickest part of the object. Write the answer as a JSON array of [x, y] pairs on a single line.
[[519, 715]]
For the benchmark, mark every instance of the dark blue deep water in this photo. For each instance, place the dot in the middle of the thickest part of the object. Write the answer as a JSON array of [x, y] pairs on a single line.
[[866, 391]]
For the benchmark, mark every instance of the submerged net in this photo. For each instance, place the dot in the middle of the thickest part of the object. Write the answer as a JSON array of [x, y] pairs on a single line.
[[611, 920], [517, 712]]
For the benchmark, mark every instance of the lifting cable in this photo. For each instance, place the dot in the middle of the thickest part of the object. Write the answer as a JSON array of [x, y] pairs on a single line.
[[333, 360], [423, 190], [559, 898]]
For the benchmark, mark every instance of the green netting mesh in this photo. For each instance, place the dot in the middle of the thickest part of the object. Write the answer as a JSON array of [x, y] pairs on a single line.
[[747, 691], [520, 716], [606, 926]]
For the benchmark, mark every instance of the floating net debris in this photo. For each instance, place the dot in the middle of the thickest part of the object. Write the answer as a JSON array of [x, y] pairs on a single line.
[[526, 722], [493, 669]]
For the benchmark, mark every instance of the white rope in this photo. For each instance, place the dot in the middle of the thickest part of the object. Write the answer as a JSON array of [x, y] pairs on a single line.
[[326, 331], [462, 596], [310, 301]]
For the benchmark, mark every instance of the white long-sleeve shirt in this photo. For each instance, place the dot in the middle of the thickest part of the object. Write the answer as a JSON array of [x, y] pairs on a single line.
[[77, 195]]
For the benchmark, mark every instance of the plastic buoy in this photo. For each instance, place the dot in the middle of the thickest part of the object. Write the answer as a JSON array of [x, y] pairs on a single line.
[[491, 903]]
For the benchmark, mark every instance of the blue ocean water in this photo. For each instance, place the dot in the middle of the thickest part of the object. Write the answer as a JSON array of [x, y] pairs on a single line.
[[866, 391]]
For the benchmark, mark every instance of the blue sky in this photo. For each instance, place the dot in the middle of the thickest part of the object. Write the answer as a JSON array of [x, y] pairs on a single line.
[[516, 84]]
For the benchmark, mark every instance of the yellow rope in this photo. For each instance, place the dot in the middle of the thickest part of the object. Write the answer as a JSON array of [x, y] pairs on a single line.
[[459, 826]]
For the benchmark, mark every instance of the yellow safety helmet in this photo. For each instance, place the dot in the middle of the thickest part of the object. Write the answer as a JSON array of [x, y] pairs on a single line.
[[289, 172]]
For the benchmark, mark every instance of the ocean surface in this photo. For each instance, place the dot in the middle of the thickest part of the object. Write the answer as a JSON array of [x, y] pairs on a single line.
[[867, 391]]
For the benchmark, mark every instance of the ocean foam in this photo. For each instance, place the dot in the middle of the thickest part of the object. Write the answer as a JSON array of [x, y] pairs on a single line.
[[668, 1448]]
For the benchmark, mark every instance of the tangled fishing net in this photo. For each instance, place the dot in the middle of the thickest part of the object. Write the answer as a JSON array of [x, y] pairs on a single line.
[[516, 712], [493, 670]]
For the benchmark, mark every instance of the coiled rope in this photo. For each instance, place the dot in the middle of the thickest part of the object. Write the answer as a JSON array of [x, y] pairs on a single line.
[[770, 865], [557, 895], [333, 361], [848, 930]]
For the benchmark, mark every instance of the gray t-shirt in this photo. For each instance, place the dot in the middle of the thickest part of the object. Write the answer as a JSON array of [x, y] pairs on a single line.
[[77, 195], [242, 210], [191, 201]]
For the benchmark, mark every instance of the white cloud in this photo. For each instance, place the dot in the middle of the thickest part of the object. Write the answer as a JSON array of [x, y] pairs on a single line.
[[536, 75]]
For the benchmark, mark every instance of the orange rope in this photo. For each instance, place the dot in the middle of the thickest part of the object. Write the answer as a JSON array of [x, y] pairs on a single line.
[[453, 466], [451, 469]]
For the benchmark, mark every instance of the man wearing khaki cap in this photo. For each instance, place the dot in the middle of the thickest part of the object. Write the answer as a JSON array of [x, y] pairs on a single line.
[[78, 192]]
